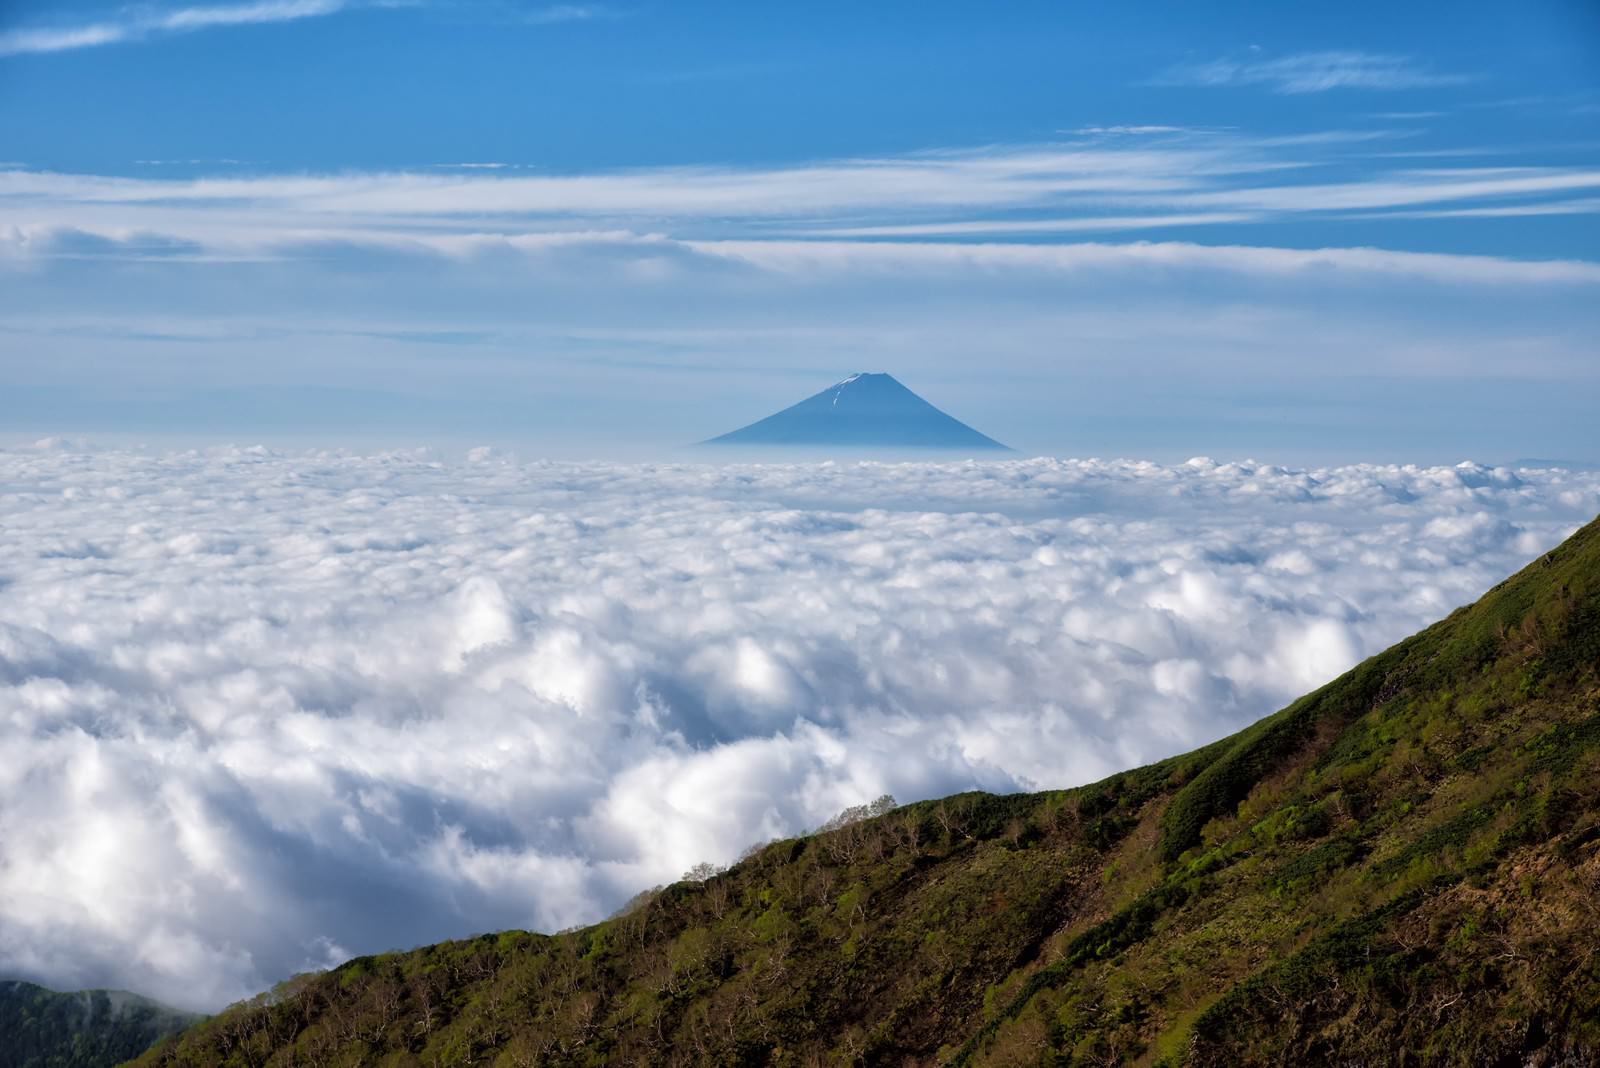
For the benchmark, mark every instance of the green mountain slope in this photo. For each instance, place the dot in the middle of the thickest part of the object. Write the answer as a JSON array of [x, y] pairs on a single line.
[[41, 1028], [1400, 868]]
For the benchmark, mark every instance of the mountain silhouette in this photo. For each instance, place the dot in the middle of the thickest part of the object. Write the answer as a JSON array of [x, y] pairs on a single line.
[[872, 410]]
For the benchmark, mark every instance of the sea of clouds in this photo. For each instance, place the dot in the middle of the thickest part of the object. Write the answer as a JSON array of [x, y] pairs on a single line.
[[263, 710]]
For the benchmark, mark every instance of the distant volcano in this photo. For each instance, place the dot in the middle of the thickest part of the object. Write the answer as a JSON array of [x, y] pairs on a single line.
[[868, 410]]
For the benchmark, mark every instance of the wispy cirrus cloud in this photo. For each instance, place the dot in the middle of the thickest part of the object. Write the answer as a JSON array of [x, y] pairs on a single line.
[[1312, 72], [141, 24], [568, 13], [1580, 206], [145, 24], [62, 39], [1040, 226], [1032, 192], [200, 18], [1405, 116], [1139, 131]]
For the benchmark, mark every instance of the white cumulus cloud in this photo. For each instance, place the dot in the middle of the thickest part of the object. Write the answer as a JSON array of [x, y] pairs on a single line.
[[263, 709]]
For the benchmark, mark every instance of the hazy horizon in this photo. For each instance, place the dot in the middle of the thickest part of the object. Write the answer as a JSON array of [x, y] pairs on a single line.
[[589, 228]]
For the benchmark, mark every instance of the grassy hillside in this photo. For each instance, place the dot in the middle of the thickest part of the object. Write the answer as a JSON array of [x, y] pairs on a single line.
[[41, 1028], [1402, 867]]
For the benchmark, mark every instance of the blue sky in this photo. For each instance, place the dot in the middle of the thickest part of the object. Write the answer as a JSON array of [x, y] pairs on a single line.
[[1300, 232]]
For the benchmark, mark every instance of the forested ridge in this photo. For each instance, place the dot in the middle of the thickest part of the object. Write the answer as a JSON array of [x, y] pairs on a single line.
[[1402, 867], [42, 1028]]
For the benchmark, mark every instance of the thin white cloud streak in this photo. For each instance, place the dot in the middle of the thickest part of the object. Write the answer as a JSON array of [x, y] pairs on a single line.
[[1037, 226], [143, 23], [197, 18], [154, 23], [1312, 72], [824, 256], [1406, 116], [1135, 131], [264, 710], [1417, 188], [557, 13], [1583, 206], [1190, 179], [817, 258], [1014, 178], [22, 42]]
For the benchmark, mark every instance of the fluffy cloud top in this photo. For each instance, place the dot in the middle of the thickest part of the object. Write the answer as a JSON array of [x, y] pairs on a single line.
[[263, 710]]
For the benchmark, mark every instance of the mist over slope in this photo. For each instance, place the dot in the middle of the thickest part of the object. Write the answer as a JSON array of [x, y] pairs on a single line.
[[264, 710], [1402, 866], [42, 1028]]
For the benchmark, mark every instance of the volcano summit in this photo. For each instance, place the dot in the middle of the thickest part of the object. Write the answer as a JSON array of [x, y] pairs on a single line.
[[864, 410]]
